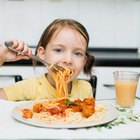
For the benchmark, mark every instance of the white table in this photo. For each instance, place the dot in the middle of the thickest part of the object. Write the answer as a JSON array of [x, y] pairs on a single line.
[[12, 129]]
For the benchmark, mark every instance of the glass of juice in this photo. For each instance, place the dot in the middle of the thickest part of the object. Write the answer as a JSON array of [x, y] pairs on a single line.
[[126, 86]]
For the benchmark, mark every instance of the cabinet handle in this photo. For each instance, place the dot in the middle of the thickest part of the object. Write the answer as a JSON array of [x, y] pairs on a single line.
[[17, 77], [109, 85]]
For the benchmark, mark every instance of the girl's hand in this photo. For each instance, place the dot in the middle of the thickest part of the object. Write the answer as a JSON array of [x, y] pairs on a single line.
[[7, 55]]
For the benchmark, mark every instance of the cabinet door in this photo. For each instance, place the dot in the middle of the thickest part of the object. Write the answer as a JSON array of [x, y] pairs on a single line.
[[54, 9], [105, 81], [8, 73], [21, 20]]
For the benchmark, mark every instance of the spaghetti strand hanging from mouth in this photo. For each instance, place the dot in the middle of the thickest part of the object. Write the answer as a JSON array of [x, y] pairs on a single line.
[[61, 79]]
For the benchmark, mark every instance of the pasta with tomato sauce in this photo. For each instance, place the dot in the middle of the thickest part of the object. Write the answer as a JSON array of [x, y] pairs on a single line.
[[66, 111]]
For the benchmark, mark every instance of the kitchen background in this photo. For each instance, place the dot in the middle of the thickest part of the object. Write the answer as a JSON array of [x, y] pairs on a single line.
[[112, 25]]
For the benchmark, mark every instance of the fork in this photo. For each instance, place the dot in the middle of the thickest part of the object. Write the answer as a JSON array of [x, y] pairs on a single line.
[[53, 67]]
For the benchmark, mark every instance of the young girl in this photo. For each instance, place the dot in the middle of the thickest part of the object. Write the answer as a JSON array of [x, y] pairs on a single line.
[[64, 42]]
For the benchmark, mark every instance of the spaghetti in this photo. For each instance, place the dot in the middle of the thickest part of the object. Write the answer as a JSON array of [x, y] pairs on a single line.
[[71, 117], [65, 111], [61, 79]]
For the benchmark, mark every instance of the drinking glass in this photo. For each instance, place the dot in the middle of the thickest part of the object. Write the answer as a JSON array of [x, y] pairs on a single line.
[[126, 86]]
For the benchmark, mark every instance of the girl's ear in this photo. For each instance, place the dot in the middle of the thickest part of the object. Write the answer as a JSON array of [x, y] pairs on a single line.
[[41, 52]]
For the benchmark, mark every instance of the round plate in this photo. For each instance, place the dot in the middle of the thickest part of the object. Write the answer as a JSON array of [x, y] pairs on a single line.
[[111, 114]]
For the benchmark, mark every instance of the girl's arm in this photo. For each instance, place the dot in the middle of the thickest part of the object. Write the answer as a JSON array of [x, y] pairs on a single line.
[[2, 94], [6, 56]]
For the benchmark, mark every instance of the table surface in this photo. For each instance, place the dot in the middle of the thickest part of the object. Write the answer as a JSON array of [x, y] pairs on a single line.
[[126, 126]]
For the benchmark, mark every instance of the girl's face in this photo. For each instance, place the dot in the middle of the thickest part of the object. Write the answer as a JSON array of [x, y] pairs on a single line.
[[67, 48]]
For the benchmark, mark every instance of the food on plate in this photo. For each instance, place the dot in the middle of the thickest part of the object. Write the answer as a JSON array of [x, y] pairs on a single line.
[[65, 111], [61, 79], [27, 113]]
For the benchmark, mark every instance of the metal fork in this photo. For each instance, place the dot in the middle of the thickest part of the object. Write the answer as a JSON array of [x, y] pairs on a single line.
[[53, 67]]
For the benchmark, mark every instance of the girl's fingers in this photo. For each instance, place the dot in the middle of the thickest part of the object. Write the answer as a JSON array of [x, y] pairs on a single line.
[[15, 43], [29, 51], [26, 50], [19, 47]]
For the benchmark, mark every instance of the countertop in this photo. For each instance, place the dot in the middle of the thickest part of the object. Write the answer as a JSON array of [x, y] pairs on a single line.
[[116, 57], [122, 128], [111, 57]]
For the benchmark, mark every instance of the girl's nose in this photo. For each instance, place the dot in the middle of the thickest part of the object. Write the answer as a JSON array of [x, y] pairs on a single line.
[[67, 59]]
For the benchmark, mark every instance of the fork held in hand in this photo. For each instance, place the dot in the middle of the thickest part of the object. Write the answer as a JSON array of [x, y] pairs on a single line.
[[53, 67]]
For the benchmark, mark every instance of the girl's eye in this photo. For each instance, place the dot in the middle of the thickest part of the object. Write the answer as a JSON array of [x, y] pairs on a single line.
[[58, 50], [78, 54]]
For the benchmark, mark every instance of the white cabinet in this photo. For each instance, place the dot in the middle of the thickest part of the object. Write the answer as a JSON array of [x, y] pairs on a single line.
[[105, 81], [110, 23], [26, 19], [20, 19], [7, 73]]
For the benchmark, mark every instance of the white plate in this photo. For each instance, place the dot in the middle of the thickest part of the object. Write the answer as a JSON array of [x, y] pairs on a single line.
[[111, 115]]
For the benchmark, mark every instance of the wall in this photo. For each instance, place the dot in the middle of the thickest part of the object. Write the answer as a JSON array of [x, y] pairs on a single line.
[[110, 23]]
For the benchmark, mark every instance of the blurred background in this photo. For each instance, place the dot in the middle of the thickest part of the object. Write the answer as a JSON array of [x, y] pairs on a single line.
[[110, 23], [113, 26]]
